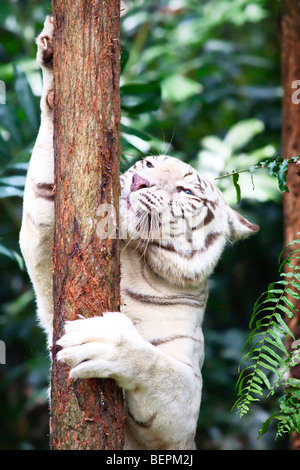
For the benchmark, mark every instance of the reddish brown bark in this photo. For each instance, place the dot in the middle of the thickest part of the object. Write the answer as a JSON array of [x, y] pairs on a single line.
[[85, 414], [290, 41]]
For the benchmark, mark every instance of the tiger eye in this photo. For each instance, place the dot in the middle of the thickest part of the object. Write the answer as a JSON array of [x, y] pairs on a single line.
[[185, 190]]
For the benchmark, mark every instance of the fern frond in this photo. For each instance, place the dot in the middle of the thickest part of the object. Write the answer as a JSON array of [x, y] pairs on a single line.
[[289, 415], [267, 358]]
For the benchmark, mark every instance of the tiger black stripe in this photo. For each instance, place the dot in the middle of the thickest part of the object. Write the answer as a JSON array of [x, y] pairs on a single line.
[[209, 217], [143, 424], [209, 240], [158, 341], [145, 204], [149, 199], [189, 173], [168, 300], [44, 191]]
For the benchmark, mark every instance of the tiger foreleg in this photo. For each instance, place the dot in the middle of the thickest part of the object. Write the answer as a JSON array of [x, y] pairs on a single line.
[[162, 395], [38, 209]]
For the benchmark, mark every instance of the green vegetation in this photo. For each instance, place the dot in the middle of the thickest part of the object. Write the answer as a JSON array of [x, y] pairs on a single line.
[[200, 81], [269, 353]]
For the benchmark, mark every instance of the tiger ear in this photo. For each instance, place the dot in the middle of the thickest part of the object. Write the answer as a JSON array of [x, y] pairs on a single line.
[[239, 226]]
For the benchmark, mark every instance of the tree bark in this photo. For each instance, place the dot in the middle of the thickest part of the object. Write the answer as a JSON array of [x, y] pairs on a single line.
[[85, 414], [290, 44]]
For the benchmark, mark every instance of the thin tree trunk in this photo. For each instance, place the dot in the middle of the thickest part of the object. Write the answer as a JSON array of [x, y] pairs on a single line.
[[290, 40], [85, 414]]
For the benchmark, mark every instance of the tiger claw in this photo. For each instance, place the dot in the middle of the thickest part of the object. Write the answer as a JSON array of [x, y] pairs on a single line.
[[45, 46]]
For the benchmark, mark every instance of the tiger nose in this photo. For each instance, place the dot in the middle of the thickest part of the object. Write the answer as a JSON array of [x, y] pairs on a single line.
[[138, 183]]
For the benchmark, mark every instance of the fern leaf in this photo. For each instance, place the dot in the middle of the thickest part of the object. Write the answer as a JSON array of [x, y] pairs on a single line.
[[289, 414], [277, 341], [278, 359], [266, 350], [283, 324], [289, 303], [286, 310]]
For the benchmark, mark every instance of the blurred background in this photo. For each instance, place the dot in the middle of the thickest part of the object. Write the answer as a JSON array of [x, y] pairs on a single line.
[[200, 81]]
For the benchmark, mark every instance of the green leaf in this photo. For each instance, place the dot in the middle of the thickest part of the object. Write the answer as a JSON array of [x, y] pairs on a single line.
[[10, 191], [177, 88], [264, 377], [273, 358], [138, 133], [283, 325], [26, 98], [243, 132], [282, 176], [12, 254], [265, 425], [288, 303], [124, 58], [293, 294], [139, 98], [235, 178], [13, 180], [292, 381], [285, 310], [276, 341], [296, 241], [9, 120]]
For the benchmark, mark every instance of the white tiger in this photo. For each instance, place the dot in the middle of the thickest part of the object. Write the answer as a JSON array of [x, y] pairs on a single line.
[[177, 226]]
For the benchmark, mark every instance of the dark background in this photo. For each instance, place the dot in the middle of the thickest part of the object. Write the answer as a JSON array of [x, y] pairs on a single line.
[[200, 81]]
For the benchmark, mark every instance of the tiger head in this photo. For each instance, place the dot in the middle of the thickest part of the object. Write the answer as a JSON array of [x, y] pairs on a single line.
[[177, 219]]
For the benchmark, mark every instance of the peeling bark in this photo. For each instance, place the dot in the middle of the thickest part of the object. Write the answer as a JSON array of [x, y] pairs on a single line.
[[85, 414], [290, 44]]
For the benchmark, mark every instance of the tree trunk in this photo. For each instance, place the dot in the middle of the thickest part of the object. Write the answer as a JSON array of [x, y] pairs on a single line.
[[290, 40], [85, 414]]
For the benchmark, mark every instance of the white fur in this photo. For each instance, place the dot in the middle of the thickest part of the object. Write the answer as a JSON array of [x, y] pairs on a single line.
[[154, 349]]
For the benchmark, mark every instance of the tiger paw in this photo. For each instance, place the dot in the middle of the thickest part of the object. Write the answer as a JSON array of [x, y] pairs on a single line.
[[101, 347], [45, 45]]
